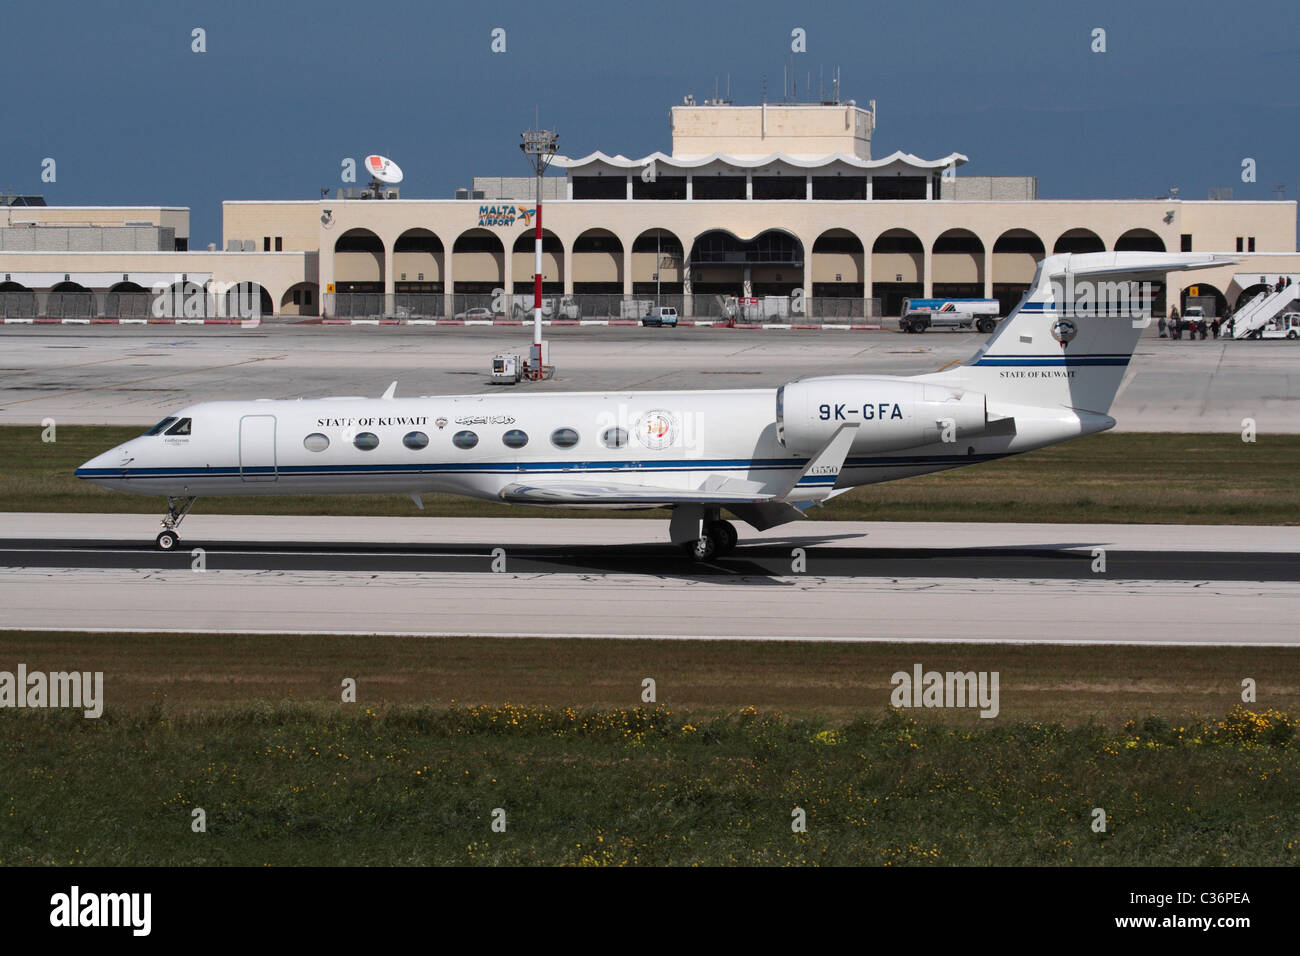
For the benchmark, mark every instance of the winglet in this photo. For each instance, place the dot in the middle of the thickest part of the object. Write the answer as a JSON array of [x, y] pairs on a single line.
[[392, 390], [824, 467]]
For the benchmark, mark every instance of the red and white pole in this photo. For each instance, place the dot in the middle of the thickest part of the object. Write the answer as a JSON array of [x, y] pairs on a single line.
[[537, 288]]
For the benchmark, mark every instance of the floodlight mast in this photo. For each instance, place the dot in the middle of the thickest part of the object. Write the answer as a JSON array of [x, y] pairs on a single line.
[[539, 149]]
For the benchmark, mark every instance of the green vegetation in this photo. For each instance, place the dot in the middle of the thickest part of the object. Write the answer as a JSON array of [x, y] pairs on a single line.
[[1126, 477], [251, 729], [299, 784]]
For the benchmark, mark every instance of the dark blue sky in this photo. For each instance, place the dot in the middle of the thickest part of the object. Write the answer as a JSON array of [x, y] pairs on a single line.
[[286, 89]]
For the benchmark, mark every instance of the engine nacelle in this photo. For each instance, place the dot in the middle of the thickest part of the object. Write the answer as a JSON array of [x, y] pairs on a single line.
[[892, 413]]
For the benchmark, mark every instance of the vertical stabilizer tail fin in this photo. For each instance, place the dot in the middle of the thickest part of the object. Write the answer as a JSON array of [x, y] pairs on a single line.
[[1069, 342]]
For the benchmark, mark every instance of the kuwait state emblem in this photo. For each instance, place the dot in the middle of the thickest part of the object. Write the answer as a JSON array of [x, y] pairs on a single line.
[[656, 429], [1064, 330]]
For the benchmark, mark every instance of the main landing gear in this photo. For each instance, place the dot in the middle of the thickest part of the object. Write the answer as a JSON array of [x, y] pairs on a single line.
[[716, 538], [177, 509]]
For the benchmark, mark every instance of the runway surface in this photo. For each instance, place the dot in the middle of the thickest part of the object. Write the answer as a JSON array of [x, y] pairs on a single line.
[[618, 577], [134, 375]]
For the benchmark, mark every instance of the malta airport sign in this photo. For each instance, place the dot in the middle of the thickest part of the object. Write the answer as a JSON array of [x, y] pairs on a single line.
[[505, 214]]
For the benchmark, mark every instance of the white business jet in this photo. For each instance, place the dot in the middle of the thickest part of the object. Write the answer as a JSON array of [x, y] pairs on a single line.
[[1048, 374]]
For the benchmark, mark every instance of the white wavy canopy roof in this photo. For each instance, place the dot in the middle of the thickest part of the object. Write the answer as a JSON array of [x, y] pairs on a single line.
[[751, 162]]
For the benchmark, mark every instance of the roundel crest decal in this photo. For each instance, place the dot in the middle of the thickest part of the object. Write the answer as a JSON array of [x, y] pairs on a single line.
[[656, 429], [1064, 330]]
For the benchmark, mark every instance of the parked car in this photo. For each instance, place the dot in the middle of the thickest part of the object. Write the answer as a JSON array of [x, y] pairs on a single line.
[[661, 316], [474, 315]]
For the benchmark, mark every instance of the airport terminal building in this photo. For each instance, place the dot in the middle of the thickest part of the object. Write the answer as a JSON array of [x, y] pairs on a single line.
[[781, 205]]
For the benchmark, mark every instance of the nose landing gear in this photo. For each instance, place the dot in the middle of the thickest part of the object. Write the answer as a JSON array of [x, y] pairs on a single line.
[[177, 509]]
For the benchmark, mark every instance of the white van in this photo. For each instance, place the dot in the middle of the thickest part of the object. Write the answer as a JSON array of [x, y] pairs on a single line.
[[661, 316]]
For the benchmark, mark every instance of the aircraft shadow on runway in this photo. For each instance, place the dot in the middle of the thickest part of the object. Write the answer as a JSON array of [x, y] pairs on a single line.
[[767, 561]]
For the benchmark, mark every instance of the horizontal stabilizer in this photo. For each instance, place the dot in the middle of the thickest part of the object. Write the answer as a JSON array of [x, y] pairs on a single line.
[[1132, 263]]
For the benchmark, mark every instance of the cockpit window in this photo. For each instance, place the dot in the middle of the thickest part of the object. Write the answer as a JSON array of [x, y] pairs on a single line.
[[182, 427], [158, 429]]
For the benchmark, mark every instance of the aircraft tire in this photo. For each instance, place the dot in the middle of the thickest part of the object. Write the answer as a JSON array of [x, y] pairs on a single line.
[[167, 540], [712, 543], [728, 536]]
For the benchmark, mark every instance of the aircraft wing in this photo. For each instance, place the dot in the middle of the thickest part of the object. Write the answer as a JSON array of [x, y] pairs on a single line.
[[578, 492]]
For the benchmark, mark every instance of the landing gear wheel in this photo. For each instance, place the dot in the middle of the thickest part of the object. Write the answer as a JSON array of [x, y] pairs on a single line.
[[167, 540], [729, 536], [707, 546]]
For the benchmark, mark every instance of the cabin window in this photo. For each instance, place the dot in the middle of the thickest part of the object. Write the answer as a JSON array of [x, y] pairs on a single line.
[[515, 438], [366, 441], [564, 438], [415, 440], [464, 439], [182, 427], [316, 442], [614, 437], [161, 426]]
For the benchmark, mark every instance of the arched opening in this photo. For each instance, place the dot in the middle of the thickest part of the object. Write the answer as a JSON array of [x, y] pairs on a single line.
[[597, 263], [957, 260], [722, 265], [478, 268], [525, 261], [358, 262], [1249, 293], [70, 300], [419, 264], [658, 260], [1016, 255], [248, 300], [716, 268], [1139, 240], [838, 267], [897, 269], [183, 300], [358, 274], [128, 300], [1208, 297], [1078, 240], [17, 301], [301, 298], [776, 263]]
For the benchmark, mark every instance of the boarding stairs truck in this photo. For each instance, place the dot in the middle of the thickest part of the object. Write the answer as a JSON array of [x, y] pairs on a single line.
[[921, 314], [1251, 318]]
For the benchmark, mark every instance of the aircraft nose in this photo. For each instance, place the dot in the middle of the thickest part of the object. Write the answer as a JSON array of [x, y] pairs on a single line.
[[110, 462]]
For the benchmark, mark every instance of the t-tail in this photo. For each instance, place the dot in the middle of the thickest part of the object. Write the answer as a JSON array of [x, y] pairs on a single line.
[[1069, 341]]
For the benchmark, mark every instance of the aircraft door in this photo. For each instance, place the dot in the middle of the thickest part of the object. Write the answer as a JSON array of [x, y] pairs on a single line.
[[257, 448]]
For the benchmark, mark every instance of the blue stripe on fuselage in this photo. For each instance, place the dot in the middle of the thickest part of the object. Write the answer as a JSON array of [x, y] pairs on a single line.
[[507, 468]]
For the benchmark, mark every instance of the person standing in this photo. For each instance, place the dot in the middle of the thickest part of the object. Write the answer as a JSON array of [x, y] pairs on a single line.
[[1214, 328], [1161, 326]]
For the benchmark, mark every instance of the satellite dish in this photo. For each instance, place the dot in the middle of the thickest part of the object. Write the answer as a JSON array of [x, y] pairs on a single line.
[[384, 170]]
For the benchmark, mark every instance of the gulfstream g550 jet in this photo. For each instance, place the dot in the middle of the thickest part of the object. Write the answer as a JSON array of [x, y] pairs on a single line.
[[1048, 374]]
